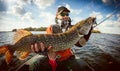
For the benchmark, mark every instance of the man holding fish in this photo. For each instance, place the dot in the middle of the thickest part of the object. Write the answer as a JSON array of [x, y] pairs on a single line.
[[63, 60]]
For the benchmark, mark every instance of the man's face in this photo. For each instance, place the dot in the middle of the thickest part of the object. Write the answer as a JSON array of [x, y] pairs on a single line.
[[63, 16]]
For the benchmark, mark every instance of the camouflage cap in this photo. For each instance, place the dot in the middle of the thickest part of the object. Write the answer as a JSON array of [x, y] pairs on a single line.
[[62, 8]]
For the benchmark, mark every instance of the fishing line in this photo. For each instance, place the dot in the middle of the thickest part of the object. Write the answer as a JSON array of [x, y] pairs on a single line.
[[106, 18]]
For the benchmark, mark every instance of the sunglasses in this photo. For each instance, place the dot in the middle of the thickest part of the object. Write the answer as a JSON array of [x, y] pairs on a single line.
[[63, 14]]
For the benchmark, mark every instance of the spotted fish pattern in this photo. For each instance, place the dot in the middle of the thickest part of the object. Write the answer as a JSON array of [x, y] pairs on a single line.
[[59, 41]]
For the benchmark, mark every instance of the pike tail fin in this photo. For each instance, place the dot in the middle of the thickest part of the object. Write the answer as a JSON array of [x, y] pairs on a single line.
[[22, 55], [8, 54]]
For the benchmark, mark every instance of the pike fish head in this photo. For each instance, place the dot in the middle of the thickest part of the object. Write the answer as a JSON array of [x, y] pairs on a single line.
[[86, 26]]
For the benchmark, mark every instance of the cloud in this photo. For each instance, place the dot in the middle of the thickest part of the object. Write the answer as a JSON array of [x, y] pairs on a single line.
[[17, 10], [118, 16], [18, 2], [23, 2], [110, 2], [111, 22], [47, 18], [16, 7], [42, 4], [98, 15], [8, 22], [107, 1], [29, 19], [76, 19], [110, 30], [27, 16], [109, 26], [110, 16], [118, 21], [2, 14], [73, 11], [21, 18]]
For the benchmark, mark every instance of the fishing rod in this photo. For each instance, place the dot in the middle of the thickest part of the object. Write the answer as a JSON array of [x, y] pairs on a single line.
[[106, 18]]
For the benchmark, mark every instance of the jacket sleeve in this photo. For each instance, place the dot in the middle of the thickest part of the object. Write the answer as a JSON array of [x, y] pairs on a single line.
[[49, 30], [54, 29]]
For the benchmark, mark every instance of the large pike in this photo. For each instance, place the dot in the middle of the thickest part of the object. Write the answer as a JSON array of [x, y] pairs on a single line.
[[23, 39]]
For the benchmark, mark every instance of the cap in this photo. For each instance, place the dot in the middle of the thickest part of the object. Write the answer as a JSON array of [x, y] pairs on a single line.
[[62, 8]]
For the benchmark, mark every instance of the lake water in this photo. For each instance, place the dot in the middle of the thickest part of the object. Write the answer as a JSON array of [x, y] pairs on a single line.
[[98, 52], [7, 37], [95, 39]]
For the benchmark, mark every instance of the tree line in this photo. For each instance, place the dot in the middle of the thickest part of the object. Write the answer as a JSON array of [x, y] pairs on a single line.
[[44, 29], [33, 29]]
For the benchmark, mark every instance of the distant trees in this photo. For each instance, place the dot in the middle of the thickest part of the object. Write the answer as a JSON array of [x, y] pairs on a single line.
[[44, 29], [14, 30], [96, 31], [33, 29]]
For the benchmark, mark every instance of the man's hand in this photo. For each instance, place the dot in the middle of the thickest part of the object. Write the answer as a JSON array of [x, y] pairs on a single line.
[[39, 47]]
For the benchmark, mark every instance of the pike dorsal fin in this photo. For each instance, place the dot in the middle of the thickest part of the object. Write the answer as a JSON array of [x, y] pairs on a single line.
[[19, 34]]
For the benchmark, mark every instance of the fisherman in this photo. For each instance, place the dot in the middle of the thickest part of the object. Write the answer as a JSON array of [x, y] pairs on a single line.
[[61, 60]]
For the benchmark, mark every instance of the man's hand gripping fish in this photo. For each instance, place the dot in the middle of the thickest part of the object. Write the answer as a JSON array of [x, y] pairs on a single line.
[[23, 39]]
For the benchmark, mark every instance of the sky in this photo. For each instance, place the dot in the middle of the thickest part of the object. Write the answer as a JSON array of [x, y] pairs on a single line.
[[17, 14]]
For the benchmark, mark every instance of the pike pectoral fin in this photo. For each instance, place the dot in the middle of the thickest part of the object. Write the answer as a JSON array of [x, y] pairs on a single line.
[[8, 53], [9, 56], [22, 55], [3, 49]]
